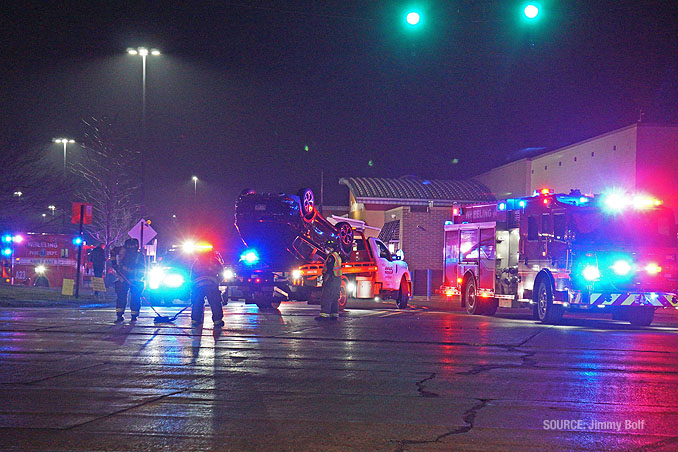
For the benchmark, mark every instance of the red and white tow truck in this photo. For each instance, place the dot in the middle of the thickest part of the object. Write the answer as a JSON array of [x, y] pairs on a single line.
[[370, 272], [614, 252]]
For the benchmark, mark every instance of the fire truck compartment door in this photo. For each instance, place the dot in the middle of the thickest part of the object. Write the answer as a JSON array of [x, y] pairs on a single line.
[[487, 260]]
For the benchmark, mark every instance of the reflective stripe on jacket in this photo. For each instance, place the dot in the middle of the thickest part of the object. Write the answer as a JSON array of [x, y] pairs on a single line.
[[337, 264]]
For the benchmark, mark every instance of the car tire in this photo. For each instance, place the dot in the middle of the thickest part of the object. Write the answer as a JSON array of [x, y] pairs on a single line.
[[470, 295], [403, 295], [640, 315], [547, 311], [345, 233], [307, 203]]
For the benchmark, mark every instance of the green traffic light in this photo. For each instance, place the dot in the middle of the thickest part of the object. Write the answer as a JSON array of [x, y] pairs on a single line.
[[413, 18], [531, 11]]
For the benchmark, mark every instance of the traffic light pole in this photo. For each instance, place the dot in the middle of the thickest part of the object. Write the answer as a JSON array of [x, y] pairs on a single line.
[[77, 270]]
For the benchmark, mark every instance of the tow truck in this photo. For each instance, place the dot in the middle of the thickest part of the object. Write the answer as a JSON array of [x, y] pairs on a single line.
[[614, 252], [371, 271]]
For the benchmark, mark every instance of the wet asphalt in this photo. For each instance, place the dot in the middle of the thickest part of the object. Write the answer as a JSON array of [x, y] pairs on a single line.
[[380, 379]]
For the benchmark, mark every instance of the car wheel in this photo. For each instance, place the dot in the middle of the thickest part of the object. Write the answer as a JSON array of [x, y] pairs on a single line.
[[640, 315], [307, 201], [546, 310], [345, 232], [471, 298], [403, 294]]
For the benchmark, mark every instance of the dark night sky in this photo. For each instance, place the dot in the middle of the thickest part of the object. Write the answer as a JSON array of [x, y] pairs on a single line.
[[242, 87]]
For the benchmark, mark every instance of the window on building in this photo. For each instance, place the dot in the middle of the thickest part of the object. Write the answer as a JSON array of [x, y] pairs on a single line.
[[614, 148], [592, 154], [560, 163], [575, 159]]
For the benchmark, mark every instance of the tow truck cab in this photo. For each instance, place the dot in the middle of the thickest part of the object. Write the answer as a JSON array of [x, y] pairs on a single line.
[[371, 271], [612, 252]]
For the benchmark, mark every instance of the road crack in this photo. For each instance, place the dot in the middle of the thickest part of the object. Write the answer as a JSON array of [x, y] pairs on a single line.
[[420, 386], [469, 418]]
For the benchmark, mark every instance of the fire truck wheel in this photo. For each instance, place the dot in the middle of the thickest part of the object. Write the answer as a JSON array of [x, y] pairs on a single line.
[[547, 311], [403, 295], [41, 281], [307, 201], [471, 298], [640, 315], [490, 306]]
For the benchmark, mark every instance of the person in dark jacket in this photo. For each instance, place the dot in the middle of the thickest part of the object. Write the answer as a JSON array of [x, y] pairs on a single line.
[[331, 291], [98, 260], [130, 268], [206, 272]]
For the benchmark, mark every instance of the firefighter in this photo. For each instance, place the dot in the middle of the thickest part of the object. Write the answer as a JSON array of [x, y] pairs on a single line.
[[329, 299], [130, 268], [206, 272]]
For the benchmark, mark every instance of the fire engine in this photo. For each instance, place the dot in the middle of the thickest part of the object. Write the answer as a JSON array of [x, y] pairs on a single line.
[[613, 252], [370, 271], [40, 259]]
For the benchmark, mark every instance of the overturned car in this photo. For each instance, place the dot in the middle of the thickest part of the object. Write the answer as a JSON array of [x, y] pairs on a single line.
[[281, 232]]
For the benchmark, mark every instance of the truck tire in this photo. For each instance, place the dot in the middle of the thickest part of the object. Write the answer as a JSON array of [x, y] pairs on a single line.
[[345, 232], [403, 296], [547, 311], [343, 294], [640, 315], [471, 298], [307, 201], [490, 306]]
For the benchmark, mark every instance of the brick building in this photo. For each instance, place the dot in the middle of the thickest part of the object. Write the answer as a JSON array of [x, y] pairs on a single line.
[[411, 213]]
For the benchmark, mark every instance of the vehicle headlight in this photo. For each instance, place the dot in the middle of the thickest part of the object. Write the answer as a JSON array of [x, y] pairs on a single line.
[[155, 277], [591, 273], [173, 280], [621, 267], [229, 274], [350, 287], [296, 274]]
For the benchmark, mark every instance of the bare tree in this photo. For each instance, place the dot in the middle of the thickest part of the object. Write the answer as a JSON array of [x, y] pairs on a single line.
[[108, 171], [30, 183]]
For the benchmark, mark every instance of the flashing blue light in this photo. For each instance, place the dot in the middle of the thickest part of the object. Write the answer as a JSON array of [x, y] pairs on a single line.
[[77, 241], [502, 206], [583, 199], [7, 238], [249, 257], [521, 203], [7, 252], [448, 222]]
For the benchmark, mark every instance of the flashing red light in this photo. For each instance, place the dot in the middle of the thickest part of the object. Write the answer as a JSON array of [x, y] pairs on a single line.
[[546, 201], [455, 211], [257, 280], [545, 191]]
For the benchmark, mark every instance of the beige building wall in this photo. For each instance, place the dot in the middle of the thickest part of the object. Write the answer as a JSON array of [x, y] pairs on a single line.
[[592, 166], [510, 180]]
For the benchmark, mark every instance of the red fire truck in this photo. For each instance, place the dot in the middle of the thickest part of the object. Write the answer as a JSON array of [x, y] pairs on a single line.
[[613, 252], [41, 259]]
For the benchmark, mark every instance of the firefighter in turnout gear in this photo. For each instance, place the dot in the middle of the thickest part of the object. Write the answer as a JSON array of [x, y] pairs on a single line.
[[206, 272], [329, 299], [129, 264]]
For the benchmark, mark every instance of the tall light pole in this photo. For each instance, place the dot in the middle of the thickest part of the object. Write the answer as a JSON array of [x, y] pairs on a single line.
[[65, 142], [143, 52], [195, 186]]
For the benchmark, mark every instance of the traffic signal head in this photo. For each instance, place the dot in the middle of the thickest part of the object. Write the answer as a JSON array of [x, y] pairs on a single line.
[[77, 241], [413, 18]]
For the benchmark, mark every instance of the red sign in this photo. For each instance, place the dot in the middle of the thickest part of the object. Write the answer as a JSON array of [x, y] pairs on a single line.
[[75, 213]]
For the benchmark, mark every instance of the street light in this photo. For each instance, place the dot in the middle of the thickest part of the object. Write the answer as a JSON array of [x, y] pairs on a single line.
[[195, 185], [52, 208], [65, 142], [143, 53]]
